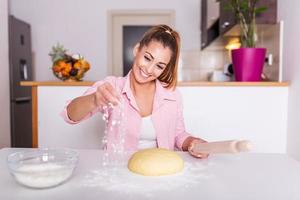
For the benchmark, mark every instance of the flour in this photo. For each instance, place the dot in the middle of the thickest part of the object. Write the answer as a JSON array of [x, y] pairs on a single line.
[[114, 126], [121, 180], [42, 175]]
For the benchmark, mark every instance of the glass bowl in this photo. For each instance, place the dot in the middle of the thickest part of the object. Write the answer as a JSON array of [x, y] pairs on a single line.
[[42, 168]]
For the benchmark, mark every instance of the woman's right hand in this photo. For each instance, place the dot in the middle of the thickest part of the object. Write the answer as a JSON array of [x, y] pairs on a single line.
[[106, 94]]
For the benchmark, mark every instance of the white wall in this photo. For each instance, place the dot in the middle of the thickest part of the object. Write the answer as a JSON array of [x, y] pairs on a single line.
[[289, 12], [4, 77], [81, 25]]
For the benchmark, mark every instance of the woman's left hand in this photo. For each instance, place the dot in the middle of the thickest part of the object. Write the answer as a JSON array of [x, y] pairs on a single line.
[[194, 153]]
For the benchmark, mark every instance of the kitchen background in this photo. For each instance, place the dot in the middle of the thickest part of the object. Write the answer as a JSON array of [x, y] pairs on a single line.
[[82, 27]]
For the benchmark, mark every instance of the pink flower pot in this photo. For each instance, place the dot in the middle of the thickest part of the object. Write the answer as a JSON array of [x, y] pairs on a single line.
[[248, 63]]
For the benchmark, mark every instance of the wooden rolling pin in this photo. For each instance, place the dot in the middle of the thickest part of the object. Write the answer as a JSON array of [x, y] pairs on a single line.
[[231, 146]]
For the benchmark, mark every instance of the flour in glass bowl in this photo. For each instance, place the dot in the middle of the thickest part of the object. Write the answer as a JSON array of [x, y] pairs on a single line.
[[42, 175]]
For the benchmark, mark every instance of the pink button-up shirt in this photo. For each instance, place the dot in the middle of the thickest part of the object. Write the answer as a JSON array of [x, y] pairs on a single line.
[[167, 116]]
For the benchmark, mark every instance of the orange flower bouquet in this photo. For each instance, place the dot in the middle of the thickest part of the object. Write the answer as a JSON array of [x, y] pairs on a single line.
[[68, 67]]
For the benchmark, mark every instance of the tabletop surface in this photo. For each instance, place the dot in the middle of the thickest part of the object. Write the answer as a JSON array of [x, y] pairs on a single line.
[[220, 177]]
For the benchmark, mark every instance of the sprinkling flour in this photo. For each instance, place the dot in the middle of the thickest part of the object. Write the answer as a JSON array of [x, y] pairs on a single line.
[[42, 175]]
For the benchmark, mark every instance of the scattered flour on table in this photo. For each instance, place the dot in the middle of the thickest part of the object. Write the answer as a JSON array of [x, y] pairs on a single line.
[[120, 179]]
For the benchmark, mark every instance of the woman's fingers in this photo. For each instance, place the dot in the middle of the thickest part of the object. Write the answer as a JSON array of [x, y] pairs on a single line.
[[196, 154], [109, 97], [113, 92], [106, 94], [100, 100]]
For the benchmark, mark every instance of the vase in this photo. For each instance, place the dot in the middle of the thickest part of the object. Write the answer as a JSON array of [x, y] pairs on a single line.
[[248, 63]]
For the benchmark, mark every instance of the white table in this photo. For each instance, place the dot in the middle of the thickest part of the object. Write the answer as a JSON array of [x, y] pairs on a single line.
[[220, 177]]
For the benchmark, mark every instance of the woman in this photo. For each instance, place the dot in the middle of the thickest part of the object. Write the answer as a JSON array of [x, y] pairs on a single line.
[[153, 105]]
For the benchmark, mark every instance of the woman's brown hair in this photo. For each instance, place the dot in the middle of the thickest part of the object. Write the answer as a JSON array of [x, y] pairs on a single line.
[[168, 38]]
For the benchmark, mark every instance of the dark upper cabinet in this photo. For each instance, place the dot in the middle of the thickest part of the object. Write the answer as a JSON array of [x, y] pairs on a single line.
[[226, 19], [270, 15], [209, 21]]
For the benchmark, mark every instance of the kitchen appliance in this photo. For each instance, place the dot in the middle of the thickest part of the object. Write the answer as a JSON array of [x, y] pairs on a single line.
[[20, 69], [219, 76]]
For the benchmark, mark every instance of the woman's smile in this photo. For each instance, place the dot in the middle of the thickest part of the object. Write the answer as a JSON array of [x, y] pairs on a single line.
[[144, 74]]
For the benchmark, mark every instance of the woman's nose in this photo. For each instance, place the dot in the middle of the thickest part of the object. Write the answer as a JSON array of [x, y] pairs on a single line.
[[150, 68]]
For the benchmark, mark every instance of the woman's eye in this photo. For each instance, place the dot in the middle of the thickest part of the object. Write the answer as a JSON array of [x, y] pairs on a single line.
[[160, 67], [147, 58]]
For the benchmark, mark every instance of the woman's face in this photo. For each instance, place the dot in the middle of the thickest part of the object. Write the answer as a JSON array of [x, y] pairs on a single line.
[[150, 61]]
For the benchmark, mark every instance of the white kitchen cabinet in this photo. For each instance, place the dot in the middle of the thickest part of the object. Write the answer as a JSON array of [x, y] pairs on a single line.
[[212, 111]]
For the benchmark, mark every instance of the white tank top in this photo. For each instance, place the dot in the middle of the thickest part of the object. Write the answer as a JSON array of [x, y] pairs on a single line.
[[147, 136]]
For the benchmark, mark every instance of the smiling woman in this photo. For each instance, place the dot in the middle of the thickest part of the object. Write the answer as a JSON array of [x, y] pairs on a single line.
[[152, 56], [152, 104], [150, 60]]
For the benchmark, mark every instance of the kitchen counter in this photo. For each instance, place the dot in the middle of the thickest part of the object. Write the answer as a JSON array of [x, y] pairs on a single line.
[[247, 176], [212, 110]]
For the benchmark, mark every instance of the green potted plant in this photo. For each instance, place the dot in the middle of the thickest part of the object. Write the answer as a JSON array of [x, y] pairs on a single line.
[[248, 61]]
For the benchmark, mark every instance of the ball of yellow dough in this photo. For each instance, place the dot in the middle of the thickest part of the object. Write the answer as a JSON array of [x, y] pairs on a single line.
[[155, 162]]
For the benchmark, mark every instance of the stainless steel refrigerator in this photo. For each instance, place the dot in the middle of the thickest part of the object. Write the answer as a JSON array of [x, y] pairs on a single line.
[[20, 55]]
